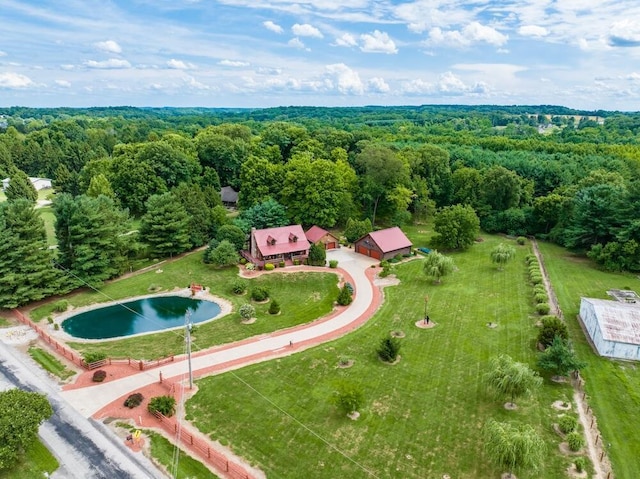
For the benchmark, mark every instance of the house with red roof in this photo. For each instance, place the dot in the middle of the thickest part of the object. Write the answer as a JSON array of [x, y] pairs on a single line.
[[384, 244], [317, 235], [272, 245]]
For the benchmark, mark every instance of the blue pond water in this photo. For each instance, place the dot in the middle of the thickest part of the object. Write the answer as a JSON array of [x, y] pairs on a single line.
[[139, 316]]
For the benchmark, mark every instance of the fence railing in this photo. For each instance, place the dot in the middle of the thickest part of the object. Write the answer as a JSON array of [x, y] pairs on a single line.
[[228, 468], [76, 358]]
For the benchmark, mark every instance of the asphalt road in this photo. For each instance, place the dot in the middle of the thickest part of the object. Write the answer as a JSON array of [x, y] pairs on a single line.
[[85, 448]]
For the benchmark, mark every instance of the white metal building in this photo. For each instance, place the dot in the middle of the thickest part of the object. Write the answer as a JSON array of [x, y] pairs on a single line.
[[613, 326], [38, 183]]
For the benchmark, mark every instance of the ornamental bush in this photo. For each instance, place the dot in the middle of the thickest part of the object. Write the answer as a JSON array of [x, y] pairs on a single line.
[[60, 306], [575, 441], [333, 263], [389, 349], [344, 297], [521, 240], [165, 405], [580, 463], [247, 311], [269, 267], [274, 307], [99, 376], [567, 424], [536, 280], [259, 294], [552, 326], [542, 308], [238, 286], [134, 400], [93, 357], [541, 298]]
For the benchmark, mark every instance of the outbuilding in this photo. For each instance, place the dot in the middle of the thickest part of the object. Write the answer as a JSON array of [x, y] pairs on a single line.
[[318, 235], [613, 327], [384, 244]]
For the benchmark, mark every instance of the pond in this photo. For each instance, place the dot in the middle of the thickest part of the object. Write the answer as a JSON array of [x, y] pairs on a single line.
[[139, 316]]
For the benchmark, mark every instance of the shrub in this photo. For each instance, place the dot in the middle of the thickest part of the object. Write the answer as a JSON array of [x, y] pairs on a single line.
[[165, 405], [317, 255], [250, 267], [134, 400], [580, 463], [567, 424], [530, 258], [238, 286], [274, 307], [281, 264], [575, 441], [521, 240], [269, 267], [349, 286], [49, 319], [534, 269], [540, 298], [398, 257], [259, 294], [333, 263], [93, 357], [542, 308], [344, 360], [348, 398], [243, 261], [344, 296], [536, 279], [99, 376], [539, 288], [552, 326], [247, 311], [296, 262], [61, 306], [389, 349], [56, 326]]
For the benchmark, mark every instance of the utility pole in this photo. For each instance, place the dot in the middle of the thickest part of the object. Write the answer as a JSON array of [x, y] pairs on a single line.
[[188, 339]]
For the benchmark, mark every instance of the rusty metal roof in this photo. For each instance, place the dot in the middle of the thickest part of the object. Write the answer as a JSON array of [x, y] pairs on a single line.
[[618, 321]]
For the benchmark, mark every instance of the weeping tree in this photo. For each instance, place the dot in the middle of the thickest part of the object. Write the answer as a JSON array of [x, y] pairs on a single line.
[[502, 254], [437, 265], [515, 447], [511, 378]]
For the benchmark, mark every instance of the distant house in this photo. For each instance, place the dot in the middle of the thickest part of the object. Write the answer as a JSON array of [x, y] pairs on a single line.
[[272, 245], [613, 327], [384, 244], [315, 234], [229, 196], [38, 183]]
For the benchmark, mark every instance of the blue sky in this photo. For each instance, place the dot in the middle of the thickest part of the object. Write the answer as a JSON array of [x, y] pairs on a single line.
[[253, 53]]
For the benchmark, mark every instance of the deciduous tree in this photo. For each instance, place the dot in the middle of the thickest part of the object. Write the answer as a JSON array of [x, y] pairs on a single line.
[[511, 378], [502, 254], [516, 447], [456, 227], [437, 265], [559, 358]]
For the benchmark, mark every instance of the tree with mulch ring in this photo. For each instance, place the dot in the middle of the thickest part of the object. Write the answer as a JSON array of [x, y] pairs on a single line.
[[389, 350]]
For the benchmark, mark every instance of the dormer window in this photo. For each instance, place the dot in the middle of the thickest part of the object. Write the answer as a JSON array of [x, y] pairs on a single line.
[[271, 240], [293, 238]]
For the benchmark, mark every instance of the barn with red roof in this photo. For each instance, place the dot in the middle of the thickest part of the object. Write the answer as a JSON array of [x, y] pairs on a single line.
[[384, 244], [318, 235], [272, 245]]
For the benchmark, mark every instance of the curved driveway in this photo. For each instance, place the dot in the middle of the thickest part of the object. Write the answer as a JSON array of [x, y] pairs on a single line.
[[90, 400]]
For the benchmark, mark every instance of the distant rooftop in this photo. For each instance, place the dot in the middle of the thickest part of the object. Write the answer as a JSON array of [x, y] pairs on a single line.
[[625, 296], [619, 321]]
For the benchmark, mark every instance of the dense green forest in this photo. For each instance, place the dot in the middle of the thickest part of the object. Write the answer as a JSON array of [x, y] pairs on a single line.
[[145, 182]]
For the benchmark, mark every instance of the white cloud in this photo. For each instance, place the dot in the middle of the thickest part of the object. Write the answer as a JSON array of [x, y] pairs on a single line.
[[635, 76], [3, 54], [195, 84], [233, 63], [14, 80], [346, 40], [472, 33], [297, 43], [306, 30], [345, 79], [625, 33], [274, 27], [108, 46], [67, 66], [63, 83], [447, 84], [377, 42], [533, 31], [179, 65], [111, 64], [418, 86], [378, 85]]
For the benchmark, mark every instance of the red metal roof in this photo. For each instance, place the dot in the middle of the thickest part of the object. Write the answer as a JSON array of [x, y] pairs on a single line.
[[282, 243], [315, 233], [390, 239]]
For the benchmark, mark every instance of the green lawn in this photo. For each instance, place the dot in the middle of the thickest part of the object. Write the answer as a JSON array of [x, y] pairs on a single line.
[[303, 297], [33, 464], [422, 418], [163, 452], [49, 219], [613, 387], [50, 363]]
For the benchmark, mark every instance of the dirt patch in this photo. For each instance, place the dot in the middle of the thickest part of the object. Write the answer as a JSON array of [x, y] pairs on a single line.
[[346, 365], [422, 324], [561, 405], [566, 450], [353, 415], [248, 321], [510, 406], [397, 334], [573, 472]]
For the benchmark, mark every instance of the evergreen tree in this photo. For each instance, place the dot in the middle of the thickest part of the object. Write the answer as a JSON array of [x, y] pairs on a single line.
[[344, 297], [559, 358], [99, 185], [20, 186], [389, 349], [193, 199], [28, 271], [165, 226], [90, 241], [317, 255]]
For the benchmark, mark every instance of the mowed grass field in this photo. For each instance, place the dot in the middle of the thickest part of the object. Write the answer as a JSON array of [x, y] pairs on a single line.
[[421, 418], [613, 387], [303, 297]]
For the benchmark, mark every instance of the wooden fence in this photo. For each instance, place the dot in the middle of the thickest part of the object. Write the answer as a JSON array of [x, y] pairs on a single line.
[[76, 358], [216, 459]]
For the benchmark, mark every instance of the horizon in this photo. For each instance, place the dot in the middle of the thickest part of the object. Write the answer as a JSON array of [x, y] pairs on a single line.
[[322, 53]]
